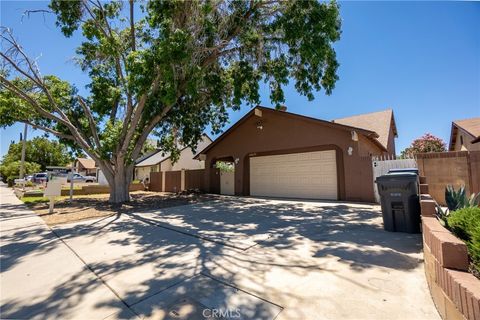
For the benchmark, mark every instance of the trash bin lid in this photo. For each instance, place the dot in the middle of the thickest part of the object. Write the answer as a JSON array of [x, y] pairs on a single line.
[[414, 170], [397, 176]]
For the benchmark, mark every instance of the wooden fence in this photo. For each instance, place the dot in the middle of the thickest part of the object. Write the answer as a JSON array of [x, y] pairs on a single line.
[[455, 168], [173, 181], [155, 181], [195, 179], [177, 181]]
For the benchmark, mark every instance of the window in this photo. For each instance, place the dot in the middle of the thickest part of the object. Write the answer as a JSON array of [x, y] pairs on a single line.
[[461, 140]]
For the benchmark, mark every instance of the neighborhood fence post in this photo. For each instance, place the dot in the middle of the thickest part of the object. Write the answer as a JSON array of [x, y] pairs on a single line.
[[163, 181], [182, 180]]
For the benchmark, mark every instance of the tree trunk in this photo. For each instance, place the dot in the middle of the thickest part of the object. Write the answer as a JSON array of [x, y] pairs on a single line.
[[119, 183]]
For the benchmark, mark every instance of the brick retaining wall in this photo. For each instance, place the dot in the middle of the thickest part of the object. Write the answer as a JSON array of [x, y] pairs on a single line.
[[455, 291]]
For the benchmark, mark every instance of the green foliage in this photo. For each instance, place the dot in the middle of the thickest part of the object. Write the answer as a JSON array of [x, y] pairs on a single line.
[[455, 199], [35, 199], [465, 224], [39, 150], [11, 170], [173, 69], [458, 199], [424, 144], [225, 166]]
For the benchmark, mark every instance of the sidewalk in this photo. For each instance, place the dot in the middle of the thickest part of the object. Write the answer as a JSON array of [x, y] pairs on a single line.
[[40, 277]]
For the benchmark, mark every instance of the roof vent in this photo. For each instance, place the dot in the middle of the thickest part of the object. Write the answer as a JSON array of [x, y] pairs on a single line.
[[282, 108]]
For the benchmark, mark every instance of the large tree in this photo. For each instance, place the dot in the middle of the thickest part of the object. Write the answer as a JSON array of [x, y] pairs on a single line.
[[39, 150], [172, 67]]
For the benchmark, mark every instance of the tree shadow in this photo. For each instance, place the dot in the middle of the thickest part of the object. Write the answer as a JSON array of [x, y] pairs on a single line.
[[150, 258]]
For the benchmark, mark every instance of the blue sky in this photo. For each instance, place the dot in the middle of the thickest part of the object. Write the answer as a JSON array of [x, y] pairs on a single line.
[[422, 59]]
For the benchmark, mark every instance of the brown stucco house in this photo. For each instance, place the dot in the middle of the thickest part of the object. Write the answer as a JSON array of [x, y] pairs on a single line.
[[465, 135], [281, 154]]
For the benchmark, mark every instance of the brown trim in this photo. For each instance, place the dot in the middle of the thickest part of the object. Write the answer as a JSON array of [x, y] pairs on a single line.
[[368, 133], [339, 158]]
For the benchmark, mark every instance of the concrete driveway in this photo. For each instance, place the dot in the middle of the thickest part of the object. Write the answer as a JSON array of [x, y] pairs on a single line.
[[253, 258]]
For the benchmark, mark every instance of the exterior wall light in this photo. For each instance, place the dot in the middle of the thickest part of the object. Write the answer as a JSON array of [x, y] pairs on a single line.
[[350, 151], [354, 136], [237, 160]]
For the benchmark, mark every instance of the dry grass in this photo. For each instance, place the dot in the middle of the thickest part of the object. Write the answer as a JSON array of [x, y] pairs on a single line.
[[94, 206]]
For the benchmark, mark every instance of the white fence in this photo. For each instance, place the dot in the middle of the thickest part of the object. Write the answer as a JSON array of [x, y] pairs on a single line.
[[381, 165]]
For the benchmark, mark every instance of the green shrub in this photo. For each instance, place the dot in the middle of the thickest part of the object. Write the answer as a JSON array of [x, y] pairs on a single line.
[[465, 224]]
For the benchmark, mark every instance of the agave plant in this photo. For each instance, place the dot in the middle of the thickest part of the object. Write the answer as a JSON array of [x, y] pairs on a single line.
[[458, 199], [473, 201], [455, 199]]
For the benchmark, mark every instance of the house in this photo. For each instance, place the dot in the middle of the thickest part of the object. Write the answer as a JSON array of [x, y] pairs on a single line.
[[158, 161], [465, 135], [381, 122], [85, 166], [281, 154]]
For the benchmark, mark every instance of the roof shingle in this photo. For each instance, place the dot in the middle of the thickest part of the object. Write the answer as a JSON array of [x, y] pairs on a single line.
[[379, 122], [472, 126]]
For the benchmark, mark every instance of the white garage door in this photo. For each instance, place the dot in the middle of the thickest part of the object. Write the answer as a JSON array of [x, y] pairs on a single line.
[[311, 175]]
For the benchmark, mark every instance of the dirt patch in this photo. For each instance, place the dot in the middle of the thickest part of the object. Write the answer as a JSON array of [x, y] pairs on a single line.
[[94, 206]]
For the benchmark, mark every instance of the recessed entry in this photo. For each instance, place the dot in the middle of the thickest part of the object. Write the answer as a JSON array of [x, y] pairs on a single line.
[[202, 297]]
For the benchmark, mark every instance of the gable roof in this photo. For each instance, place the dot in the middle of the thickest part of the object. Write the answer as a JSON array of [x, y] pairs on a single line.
[[380, 122], [368, 133], [159, 156], [87, 163], [154, 159], [146, 156], [471, 126]]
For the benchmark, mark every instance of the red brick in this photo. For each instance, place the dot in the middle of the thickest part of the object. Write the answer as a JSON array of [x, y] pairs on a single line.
[[469, 290], [423, 188], [428, 208], [450, 251]]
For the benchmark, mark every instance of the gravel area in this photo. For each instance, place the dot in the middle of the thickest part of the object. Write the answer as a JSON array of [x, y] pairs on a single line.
[[94, 206]]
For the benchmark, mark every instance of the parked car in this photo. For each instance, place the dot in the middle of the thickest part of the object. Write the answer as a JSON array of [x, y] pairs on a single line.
[[77, 177], [41, 177]]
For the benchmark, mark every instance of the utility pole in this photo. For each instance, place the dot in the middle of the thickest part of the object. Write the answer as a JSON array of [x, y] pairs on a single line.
[[24, 146]]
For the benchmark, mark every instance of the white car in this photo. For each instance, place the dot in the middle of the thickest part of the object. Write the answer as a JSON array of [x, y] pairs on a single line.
[[77, 177]]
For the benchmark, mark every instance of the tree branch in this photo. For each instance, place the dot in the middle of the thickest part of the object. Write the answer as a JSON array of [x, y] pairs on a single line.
[[132, 25], [46, 129], [91, 121]]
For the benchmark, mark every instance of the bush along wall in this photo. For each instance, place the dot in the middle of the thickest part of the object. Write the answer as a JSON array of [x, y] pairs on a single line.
[[448, 259]]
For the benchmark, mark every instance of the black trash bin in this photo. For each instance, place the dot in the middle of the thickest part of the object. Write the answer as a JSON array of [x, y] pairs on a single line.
[[400, 203]]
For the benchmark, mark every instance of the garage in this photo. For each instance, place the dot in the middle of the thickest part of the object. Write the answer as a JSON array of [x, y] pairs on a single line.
[[275, 153], [310, 175]]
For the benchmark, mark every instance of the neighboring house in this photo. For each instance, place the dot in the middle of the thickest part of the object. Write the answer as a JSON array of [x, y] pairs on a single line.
[[381, 122], [85, 167], [158, 161], [281, 154], [465, 135]]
